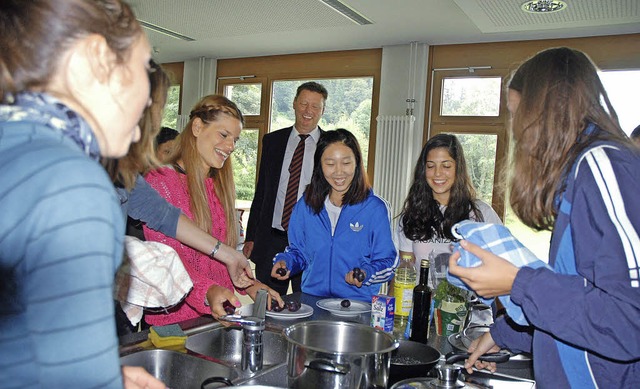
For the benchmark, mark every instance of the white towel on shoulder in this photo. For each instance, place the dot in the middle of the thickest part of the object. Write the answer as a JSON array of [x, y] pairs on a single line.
[[151, 276]]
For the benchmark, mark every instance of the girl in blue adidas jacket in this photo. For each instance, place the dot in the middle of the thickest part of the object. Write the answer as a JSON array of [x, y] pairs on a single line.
[[578, 175], [339, 224]]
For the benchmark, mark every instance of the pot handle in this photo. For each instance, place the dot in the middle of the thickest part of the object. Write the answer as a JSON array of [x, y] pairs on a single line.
[[456, 356], [328, 366]]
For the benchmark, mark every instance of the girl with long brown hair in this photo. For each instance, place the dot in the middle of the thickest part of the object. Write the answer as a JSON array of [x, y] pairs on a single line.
[[576, 173]]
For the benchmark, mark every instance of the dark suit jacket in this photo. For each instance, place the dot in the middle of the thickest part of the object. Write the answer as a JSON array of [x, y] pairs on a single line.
[[274, 145]]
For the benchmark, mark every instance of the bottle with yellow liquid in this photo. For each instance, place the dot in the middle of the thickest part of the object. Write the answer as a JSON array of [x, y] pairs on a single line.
[[403, 284]]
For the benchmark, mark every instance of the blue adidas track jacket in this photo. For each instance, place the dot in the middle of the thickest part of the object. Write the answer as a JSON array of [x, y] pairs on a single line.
[[362, 238]]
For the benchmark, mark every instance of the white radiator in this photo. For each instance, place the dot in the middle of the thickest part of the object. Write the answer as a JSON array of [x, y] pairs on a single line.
[[181, 122], [394, 159]]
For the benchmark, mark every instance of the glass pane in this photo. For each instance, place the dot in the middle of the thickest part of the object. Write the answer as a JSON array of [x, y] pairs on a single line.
[[470, 96], [245, 160], [246, 96], [536, 241], [348, 106], [171, 108], [622, 87], [480, 154]]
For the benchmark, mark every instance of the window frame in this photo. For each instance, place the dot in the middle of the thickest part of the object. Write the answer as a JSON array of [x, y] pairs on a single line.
[[481, 125]]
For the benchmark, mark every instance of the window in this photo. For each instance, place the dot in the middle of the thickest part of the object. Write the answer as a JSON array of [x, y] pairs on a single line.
[[175, 71], [171, 108], [246, 96], [469, 104], [622, 87], [538, 242], [470, 96], [480, 155], [245, 161]]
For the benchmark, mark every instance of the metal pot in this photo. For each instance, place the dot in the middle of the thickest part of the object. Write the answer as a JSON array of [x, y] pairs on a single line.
[[329, 354]]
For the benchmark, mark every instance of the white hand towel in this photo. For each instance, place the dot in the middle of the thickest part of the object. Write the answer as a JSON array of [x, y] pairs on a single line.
[[151, 276]]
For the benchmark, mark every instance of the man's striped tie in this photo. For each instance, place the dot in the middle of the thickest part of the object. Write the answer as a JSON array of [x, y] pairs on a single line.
[[294, 180]]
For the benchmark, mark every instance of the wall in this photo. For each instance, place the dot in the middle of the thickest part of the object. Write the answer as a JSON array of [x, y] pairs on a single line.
[[199, 80]]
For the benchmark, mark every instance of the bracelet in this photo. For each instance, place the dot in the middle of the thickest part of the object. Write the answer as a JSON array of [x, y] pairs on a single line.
[[215, 249]]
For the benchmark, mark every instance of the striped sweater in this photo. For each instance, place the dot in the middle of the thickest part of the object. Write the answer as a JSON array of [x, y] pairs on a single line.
[[60, 244]]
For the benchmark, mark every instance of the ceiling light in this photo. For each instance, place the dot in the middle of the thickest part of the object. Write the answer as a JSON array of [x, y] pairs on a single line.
[[543, 6], [347, 11], [164, 31]]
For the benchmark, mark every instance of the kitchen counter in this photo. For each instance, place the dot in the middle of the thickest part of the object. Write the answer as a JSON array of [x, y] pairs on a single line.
[[130, 342], [440, 343]]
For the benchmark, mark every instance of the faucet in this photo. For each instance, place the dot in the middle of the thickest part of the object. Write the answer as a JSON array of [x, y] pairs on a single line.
[[252, 329]]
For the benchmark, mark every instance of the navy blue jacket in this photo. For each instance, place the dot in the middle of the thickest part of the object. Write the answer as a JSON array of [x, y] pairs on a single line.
[[586, 312]]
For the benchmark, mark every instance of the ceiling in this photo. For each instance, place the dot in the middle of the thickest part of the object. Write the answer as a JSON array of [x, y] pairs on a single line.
[[247, 28]]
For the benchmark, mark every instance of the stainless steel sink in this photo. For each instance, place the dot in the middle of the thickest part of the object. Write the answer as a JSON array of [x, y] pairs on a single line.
[[225, 344], [275, 377], [177, 370]]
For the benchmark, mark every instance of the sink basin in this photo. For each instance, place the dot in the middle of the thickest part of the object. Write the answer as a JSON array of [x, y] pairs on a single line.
[[225, 344], [177, 370], [276, 377]]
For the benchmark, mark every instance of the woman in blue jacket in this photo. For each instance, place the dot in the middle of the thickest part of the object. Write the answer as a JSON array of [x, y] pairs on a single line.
[[577, 174], [339, 224]]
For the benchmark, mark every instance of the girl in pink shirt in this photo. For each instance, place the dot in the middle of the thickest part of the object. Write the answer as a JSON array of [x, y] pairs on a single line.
[[199, 181]]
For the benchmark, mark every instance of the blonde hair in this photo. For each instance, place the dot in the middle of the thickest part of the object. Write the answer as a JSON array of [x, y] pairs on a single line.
[[208, 109]]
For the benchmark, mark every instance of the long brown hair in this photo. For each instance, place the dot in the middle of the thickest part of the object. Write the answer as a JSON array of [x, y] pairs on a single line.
[[561, 94], [421, 216], [208, 109], [141, 157]]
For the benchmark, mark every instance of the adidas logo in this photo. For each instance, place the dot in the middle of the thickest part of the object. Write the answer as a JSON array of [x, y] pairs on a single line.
[[355, 227]]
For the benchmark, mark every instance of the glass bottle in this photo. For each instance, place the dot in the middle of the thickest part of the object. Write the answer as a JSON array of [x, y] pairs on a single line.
[[403, 284], [421, 306]]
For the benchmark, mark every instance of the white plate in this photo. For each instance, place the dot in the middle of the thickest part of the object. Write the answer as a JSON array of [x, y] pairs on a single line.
[[333, 306], [304, 311]]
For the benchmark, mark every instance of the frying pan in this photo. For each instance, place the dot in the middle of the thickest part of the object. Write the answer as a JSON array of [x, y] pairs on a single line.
[[412, 359], [415, 359], [462, 341]]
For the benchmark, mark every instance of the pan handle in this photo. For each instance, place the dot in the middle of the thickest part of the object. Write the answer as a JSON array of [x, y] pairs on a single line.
[[457, 356]]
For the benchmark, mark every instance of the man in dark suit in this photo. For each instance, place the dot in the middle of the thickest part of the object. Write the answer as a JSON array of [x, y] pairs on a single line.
[[281, 172]]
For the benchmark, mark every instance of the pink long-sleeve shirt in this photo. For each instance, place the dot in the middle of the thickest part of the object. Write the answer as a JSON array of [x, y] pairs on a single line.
[[203, 270]]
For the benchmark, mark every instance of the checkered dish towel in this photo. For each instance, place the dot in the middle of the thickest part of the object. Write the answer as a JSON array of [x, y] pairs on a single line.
[[497, 239], [151, 276]]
